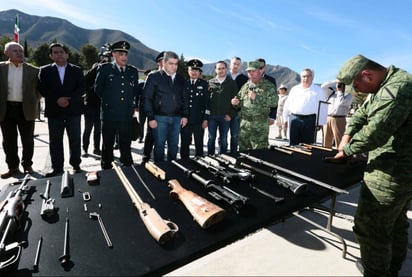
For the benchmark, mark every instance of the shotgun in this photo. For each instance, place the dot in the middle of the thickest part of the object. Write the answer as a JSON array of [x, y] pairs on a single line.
[[161, 230]]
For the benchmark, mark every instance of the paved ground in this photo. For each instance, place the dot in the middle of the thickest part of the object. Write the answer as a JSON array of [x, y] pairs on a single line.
[[293, 247]]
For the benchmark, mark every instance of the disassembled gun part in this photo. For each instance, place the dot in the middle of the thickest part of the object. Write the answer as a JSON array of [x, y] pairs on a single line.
[[106, 236]]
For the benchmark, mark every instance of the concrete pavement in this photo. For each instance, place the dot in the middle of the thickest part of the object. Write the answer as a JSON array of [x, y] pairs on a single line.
[[293, 247]]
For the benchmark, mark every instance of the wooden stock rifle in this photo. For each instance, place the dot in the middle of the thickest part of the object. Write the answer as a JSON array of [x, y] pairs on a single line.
[[204, 212], [161, 230]]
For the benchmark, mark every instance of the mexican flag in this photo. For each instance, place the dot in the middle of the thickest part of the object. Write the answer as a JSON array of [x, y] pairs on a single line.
[[16, 29]]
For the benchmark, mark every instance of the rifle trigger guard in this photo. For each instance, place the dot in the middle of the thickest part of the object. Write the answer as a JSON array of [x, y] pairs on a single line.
[[173, 226]]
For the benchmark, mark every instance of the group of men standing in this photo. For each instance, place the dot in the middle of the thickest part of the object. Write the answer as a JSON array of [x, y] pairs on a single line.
[[245, 106]]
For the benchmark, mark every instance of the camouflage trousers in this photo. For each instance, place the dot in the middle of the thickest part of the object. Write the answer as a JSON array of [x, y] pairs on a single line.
[[253, 135], [381, 227]]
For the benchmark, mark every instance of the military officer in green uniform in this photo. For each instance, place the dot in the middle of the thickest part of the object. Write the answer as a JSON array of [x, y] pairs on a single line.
[[382, 126], [117, 86], [257, 101]]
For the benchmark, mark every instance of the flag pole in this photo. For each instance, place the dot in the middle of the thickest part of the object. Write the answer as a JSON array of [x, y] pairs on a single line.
[[16, 29]]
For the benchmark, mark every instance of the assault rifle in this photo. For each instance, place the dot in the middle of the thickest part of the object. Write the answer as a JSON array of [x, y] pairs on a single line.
[[11, 210], [296, 186], [291, 173], [214, 167], [236, 200]]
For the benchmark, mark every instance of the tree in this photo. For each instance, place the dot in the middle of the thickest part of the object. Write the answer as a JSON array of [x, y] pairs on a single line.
[[41, 55], [3, 41], [88, 56], [26, 50], [181, 68]]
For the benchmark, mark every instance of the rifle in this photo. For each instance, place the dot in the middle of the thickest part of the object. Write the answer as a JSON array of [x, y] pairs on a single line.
[[161, 230], [292, 184], [295, 174], [11, 210], [204, 212], [241, 173], [218, 192], [216, 169]]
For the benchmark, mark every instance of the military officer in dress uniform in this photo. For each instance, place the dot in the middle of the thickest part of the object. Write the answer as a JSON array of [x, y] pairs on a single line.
[[117, 86], [197, 92]]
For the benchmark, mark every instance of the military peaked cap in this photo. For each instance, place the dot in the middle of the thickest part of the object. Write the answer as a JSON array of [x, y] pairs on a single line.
[[194, 64], [121, 46], [160, 56]]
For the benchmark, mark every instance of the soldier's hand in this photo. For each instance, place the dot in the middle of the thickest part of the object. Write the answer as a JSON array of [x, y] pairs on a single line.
[[345, 140], [153, 124], [252, 95], [235, 101]]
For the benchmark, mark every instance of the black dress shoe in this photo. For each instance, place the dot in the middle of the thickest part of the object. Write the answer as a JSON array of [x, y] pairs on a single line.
[[28, 170], [77, 169], [53, 173], [97, 152], [84, 154], [10, 173]]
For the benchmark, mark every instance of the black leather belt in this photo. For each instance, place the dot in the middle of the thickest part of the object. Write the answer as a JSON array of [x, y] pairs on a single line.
[[13, 103], [304, 115], [336, 116]]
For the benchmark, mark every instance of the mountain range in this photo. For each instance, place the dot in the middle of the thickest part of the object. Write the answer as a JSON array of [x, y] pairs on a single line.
[[37, 30]]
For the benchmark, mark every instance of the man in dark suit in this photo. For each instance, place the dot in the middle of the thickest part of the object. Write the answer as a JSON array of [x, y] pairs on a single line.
[[240, 79], [19, 107], [62, 85], [117, 85], [197, 91], [92, 105]]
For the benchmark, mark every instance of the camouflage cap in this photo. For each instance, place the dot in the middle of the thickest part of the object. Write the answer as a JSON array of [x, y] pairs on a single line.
[[253, 65], [351, 68]]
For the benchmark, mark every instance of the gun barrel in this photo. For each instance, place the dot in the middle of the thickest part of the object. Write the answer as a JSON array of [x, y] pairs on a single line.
[[292, 173]]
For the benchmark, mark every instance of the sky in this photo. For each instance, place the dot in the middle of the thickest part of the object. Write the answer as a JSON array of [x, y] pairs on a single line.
[[316, 34]]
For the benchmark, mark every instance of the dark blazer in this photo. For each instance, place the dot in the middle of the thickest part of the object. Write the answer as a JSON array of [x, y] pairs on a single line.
[[117, 91], [270, 79], [161, 96], [51, 89], [31, 95], [241, 79]]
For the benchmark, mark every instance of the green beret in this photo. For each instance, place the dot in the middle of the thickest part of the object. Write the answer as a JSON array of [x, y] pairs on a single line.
[[352, 68], [253, 65]]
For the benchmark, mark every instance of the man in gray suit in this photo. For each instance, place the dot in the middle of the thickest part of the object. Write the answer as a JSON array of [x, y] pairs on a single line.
[[19, 107]]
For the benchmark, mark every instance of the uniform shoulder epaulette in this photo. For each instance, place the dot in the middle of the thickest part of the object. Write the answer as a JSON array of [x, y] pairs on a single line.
[[132, 66]]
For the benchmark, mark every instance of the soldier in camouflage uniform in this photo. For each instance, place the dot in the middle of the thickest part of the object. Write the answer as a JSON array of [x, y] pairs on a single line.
[[382, 126], [257, 100]]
